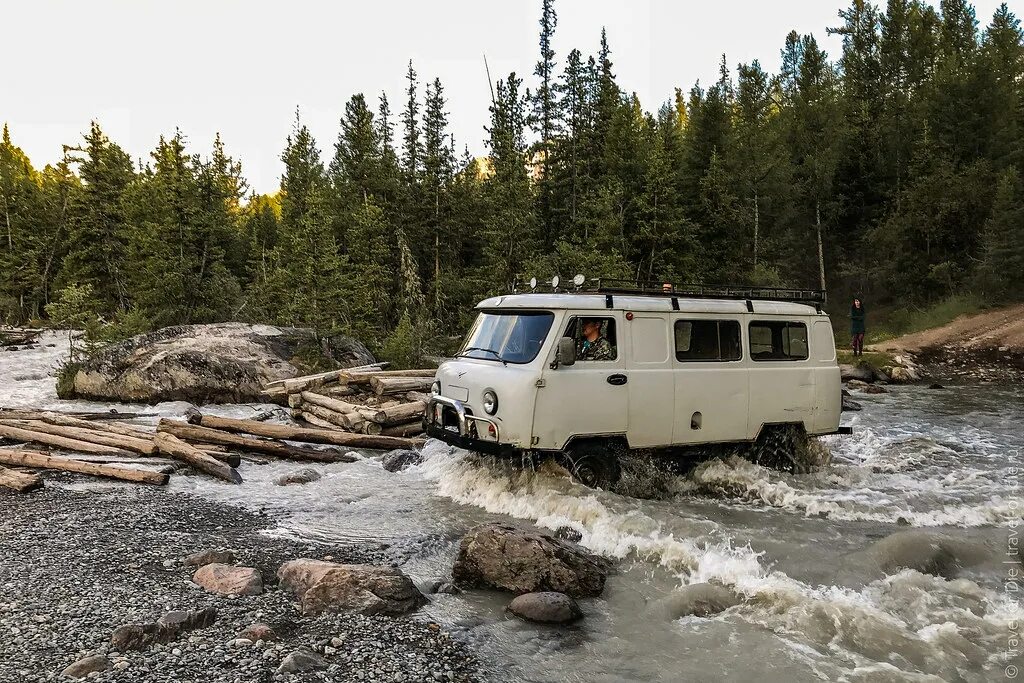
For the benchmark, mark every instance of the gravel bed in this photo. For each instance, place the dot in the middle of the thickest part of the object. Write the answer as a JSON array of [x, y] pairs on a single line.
[[74, 565]]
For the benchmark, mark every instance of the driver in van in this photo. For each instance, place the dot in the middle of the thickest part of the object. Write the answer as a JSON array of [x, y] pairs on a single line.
[[593, 345]]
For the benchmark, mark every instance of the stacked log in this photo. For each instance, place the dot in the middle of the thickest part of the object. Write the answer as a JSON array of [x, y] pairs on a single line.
[[368, 401]]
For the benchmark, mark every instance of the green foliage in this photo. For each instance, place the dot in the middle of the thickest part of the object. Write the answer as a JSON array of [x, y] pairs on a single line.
[[891, 170]]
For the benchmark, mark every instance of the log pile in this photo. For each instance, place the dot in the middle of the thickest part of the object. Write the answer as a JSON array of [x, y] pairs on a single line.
[[214, 446], [14, 337], [364, 400]]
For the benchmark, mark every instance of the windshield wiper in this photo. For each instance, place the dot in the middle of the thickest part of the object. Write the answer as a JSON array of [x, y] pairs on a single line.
[[480, 348]]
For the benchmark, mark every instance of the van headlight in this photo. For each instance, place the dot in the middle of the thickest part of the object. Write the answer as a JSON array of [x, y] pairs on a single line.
[[435, 388], [490, 402]]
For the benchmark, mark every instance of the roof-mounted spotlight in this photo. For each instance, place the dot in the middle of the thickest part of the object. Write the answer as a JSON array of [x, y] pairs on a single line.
[[533, 283], [579, 280], [554, 282]]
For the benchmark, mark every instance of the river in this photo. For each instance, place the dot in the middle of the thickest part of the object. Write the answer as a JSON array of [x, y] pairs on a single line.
[[814, 608]]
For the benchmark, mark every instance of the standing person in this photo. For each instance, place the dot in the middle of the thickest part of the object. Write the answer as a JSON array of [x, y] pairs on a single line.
[[857, 326]]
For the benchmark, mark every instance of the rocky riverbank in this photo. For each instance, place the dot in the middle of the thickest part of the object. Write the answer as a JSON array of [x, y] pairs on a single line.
[[74, 569]]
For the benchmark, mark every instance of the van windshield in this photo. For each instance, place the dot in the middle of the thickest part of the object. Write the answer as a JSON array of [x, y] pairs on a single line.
[[508, 337]]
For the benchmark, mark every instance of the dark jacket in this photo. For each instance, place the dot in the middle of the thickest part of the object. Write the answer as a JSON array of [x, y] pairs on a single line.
[[857, 319]]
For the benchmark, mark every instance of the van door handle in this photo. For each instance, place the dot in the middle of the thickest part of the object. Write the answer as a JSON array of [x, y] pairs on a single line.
[[617, 380]]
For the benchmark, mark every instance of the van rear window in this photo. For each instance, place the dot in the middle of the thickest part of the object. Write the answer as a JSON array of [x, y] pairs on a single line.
[[707, 340], [778, 340]]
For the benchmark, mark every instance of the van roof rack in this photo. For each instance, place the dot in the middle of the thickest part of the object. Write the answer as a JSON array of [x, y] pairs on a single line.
[[696, 291], [664, 288]]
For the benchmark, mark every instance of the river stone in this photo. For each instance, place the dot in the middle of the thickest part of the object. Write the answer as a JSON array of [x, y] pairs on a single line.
[[862, 372], [697, 600], [874, 389], [504, 557], [204, 557], [303, 476], [260, 631], [219, 363], [546, 608], [224, 579], [181, 620], [400, 459], [360, 588], [849, 405], [87, 665], [928, 552], [301, 660]]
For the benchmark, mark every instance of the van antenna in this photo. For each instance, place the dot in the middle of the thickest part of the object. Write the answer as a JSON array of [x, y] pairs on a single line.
[[490, 83]]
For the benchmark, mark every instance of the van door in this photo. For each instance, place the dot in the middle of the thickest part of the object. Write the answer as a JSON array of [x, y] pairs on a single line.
[[781, 374], [710, 380], [651, 384], [588, 398]]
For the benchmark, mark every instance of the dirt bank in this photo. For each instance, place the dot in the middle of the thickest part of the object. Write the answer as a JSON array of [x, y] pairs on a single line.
[[987, 345]]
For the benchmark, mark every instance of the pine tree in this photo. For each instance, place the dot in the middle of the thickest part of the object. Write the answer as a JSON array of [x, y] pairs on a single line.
[[438, 167], [545, 120], [1002, 256], [98, 228]]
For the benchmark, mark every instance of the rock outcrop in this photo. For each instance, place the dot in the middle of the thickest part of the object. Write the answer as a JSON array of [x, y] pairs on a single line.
[[358, 588], [398, 460], [507, 558], [220, 363]]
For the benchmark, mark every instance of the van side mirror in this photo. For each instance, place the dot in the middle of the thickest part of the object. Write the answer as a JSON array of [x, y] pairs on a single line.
[[566, 353]]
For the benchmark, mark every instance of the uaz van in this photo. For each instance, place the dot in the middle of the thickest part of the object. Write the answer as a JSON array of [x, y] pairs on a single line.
[[680, 369]]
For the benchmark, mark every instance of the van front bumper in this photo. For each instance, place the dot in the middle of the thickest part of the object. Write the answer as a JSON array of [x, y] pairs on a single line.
[[463, 430]]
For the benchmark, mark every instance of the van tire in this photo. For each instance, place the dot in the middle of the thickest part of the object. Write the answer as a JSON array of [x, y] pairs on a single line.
[[785, 447], [593, 465]]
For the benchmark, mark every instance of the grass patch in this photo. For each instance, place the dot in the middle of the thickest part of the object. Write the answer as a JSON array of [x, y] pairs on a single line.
[[900, 321], [66, 379]]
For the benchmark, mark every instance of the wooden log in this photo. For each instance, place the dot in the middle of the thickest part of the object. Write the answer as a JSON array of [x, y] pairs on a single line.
[[194, 432], [312, 419], [340, 390], [322, 377], [22, 482], [333, 404], [399, 385], [143, 446], [294, 400], [56, 462], [30, 436], [414, 428], [16, 414], [63, 420], [403, 412], [351, 377], [349, 421], [417, 396], [171, 445], [289, 433]]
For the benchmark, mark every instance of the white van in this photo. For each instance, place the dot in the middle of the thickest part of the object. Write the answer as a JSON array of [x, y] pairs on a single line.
[[680, 369]]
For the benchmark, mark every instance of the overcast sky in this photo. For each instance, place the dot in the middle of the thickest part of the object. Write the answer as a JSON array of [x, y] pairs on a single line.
[[241, 67]]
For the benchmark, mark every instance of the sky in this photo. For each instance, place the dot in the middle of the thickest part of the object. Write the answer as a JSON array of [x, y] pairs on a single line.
[[242, 67]]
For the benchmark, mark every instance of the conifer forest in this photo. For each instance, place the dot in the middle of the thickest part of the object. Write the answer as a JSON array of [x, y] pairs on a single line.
[[892, 170]]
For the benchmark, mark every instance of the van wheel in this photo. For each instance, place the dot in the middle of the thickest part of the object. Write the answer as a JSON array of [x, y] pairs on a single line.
[[593, 466], [788, 448]]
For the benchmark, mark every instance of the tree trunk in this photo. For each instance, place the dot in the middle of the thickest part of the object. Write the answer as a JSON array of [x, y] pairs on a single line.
[[207, 435], [30, 436], [142, 444], [349, 421], [22, 482], [757, 224], [69, 421], [56, 462], [399, 385], [821, 250], [324, 436], [171, 445], [367, 377], [329, 403]]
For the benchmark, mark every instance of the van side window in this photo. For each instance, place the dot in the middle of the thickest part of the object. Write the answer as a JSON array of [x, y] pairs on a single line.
[[586, 350], [707, 340], [778, 340]]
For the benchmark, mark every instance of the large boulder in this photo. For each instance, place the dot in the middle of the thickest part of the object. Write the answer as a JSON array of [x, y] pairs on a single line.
[[925, 551], [504, 557], [220, 363], [224, 579], [359, 588]]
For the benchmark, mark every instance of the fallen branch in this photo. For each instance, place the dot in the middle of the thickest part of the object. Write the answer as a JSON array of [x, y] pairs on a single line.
[[194, 432], [404, 412], [399, 385], [56, 462], [171, 445], [22, 482], [289, 433]]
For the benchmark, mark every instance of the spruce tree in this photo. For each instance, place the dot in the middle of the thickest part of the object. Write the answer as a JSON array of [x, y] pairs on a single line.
[[1002, 243]]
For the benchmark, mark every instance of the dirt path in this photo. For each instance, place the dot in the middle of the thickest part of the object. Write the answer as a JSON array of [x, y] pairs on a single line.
[[1001, 330]]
